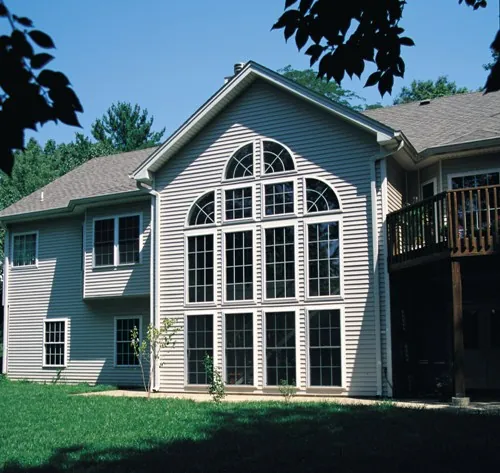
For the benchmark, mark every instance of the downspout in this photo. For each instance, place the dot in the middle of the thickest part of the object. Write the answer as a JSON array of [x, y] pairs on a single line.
[[5, 299], [375, 253], [154, 275]]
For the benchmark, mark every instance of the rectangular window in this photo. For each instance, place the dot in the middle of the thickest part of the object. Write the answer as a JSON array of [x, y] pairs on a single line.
[[55, 343], [280, 262], [324, 348], [117, 240], [239, 203], [475, 180], [200, 339], [239, 349], [24, 249], [125, 355], [201, 268], [280, 348], [279, 198], [239, 266], [324, 259], [128, 239]]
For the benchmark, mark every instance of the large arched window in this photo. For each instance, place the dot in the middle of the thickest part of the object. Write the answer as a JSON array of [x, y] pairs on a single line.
[[320, 197], [241, 163], [276, 158], [203, 210]]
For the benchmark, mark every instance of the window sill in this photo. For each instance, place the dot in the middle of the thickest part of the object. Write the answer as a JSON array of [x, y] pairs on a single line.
[[55, 367], [280, 301], [200, 305], [25, 266], [325, 299], [241, 303], [117, 267], [237, 221]]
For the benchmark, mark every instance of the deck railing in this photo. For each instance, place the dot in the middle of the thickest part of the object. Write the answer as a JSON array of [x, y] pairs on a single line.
[[462, 222]]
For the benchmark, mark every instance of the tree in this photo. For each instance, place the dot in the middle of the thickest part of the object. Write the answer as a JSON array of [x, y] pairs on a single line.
[[308, 78], [126, 128], [345, 35], [29, 94], [494, 59], [428, 89]]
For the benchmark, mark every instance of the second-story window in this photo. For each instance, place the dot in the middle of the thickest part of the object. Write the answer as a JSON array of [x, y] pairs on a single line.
[[24, 249], [117, 240]]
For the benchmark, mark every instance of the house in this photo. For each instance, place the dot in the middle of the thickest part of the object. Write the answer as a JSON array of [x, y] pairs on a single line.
[[290, 238]]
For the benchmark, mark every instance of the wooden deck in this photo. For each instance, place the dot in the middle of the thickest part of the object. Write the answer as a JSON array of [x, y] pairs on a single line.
[[457, 223]]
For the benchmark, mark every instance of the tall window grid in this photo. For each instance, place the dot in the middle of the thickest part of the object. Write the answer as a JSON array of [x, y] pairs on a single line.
[[279, 198], [125, 355], [280, 348], [24, 249], [128, 239], [201, 268], [104, 242], [238, 203], [324, 259], [325, 348], [239, 265], [55, 343], [239, 349], [280, 262], [200, 339]]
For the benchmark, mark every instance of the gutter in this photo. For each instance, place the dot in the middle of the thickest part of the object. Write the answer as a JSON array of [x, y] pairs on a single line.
[[375, 259], [154, 273], [5, 300]]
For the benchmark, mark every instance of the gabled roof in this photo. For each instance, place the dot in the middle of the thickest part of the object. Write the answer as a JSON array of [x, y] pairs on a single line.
[[227, 93], [445, 121], [98, 177]]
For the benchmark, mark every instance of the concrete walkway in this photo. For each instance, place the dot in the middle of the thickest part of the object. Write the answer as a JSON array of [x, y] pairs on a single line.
[[493, 407]]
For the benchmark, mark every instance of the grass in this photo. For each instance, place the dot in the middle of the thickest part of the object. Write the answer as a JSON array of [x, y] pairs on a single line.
[[44, 428]]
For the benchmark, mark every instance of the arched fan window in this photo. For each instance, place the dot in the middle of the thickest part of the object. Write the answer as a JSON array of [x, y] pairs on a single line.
[[203, 210], [276, 158], [241, 163], [320, 197]]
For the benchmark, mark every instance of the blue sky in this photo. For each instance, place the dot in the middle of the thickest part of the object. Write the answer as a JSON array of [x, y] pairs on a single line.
[[169, 57]]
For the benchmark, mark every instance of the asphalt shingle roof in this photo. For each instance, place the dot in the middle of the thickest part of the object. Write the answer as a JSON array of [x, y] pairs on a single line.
[[444, 121], [97, 177]]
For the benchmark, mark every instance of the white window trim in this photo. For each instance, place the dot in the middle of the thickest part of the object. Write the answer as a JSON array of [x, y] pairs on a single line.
[[323, 219], [470, 173], [116, 252], [224, 180], [275, 174], [66, 337], [282, 180], [115, 325], [223, 363], [216, 362], [231, 187], [195, 201], [429, 181], [280, 224], [265, 311], [17, 268], [343, 370], [200, 231], [239, 229], [304, 197]]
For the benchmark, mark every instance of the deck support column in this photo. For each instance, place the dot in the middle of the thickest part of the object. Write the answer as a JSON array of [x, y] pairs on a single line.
[[458, 334]]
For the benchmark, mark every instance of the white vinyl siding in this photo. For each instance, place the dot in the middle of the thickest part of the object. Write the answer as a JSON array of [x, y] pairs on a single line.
[[396, 186], [122, 279], [53, 290], [323, 147]]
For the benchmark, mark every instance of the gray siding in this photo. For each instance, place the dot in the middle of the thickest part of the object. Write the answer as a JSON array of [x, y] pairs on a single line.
[[428, 173], [324, 147], [131, 280], [54, 290], [396, 192], [469, 164], [412, 186]]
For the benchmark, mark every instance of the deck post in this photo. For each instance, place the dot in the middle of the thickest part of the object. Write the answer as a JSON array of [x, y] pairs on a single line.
[[458, 334]]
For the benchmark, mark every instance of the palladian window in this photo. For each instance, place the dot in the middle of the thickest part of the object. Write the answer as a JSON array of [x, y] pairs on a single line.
[[203, 211], [320, 197], [241, 163], [276, 158]]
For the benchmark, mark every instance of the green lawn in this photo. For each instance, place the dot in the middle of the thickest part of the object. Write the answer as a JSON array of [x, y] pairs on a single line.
[[44, 428]]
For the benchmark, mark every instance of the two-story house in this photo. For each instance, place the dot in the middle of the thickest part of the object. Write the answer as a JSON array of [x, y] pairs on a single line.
[[274, 227]]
